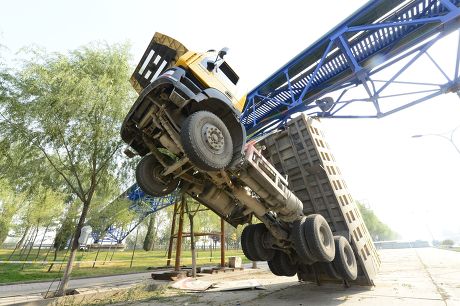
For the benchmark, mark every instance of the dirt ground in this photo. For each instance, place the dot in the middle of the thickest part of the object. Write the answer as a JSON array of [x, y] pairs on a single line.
[[407, 277]]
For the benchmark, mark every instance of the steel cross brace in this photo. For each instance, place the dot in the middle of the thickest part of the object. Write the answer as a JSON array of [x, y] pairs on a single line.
[[434, 89], [299, 92]]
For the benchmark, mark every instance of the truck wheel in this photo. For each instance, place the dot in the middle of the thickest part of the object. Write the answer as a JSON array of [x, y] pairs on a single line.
[[345, 260], [300, 242], [274, 268], [263, 253], [319, 238], [251, 243], [247, 243], [281, 265], [329, 269], [149, 178], [207, 141]]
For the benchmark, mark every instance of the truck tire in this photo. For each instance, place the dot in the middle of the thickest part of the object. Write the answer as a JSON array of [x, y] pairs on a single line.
[[263, 254], [207, 141], [281, 265], [274, 268], [247, 243], [251, 243], [345, 260], [319, 237], [330, 271], [300, 242], [149, 178]]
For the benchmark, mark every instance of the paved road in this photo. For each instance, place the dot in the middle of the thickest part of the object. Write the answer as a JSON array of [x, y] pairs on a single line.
[[34, 289], [407, 277]]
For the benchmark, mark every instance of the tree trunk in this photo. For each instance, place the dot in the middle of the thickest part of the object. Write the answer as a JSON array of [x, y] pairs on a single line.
[[191, 215], [150, 236], [192, 245], [73, 251]]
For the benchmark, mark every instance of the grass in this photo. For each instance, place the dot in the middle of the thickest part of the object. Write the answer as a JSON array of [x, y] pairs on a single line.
[[120, 264]]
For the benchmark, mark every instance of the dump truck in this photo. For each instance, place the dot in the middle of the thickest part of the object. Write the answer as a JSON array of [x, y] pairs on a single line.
[[185, 126]]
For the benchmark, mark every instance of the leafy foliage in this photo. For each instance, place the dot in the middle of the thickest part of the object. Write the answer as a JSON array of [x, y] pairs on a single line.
[[67, 226], [378, 230], [447, 242], [67, 109], [116, 213], [10, 204]]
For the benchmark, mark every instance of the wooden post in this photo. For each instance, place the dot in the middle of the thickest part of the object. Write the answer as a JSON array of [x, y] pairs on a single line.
[[171, 238], [134, 248], [107, 254], [179, 235], [222, 243], [98, 250]]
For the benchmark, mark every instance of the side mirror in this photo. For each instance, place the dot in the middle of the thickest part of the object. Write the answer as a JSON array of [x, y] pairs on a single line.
[[210, 65], [223, 52]]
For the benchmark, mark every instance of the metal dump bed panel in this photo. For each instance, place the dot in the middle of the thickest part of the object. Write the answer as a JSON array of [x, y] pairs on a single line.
[[301, 153]]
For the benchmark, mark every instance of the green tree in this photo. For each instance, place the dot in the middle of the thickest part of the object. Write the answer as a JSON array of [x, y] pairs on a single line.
[[70, 107], [10, 204], [447, 242], [378, 230], [67, 226], [158, 225], [149, 240]]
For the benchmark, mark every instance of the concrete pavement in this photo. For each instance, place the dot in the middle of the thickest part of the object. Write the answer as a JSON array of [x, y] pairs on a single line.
[[407, 277]]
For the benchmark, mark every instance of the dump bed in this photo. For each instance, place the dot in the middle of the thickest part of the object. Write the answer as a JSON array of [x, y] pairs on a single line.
[[301, 152]]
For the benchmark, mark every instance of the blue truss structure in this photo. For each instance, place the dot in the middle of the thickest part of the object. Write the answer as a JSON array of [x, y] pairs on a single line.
[[143, 205], [380, 35]]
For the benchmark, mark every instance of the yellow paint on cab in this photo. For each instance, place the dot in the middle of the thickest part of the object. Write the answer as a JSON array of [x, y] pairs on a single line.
[[196, 64]]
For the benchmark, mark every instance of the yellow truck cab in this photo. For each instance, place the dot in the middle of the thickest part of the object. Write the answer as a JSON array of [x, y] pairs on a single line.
[[186, 106]]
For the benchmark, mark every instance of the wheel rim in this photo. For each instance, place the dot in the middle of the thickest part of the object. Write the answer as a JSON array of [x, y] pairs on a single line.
[[213, 138], [157, 175]]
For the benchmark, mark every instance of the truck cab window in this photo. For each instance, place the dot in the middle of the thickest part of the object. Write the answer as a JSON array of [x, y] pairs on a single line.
[[229, 73]]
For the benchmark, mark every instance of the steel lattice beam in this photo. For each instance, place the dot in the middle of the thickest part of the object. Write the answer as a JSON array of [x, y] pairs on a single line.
[[369, 41], [143, 205]]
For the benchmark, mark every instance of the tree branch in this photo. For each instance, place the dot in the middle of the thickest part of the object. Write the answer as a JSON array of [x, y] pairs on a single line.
[[72, 187], [72, 165]]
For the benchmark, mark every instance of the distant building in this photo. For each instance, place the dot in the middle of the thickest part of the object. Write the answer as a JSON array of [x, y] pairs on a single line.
[[400, 244]]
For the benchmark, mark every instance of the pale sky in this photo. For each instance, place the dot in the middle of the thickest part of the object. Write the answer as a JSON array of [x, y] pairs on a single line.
[[412, 184]]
